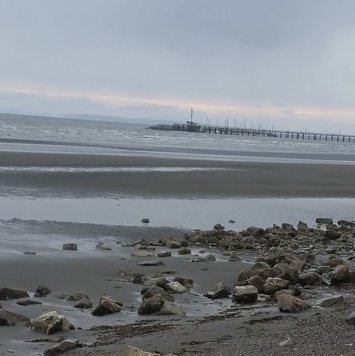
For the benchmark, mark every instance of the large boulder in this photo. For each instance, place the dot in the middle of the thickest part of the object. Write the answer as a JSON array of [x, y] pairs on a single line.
[[290, 304], [285, 271], [218, 291], [309, 279], [83, 303], [131, 276], [10, 319], [107, 305], [186, 282], [151, 305], [184, 251], [175, 288], [8, 294], [170, 308], [274, 284], [155, 290], [245, 294], [51, 322], [257, 282], [340, 275]]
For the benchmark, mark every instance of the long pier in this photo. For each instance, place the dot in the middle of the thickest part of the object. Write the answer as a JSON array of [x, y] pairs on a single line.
[[296, 135]]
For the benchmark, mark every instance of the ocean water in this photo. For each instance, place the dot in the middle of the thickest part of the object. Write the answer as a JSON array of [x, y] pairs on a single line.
[[114, 136], [19, 133]]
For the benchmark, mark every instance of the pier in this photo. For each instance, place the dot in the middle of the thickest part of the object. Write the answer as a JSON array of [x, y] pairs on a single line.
[[295, 135]]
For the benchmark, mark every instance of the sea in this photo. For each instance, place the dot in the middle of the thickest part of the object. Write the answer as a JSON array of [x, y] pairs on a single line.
[[20, 133]]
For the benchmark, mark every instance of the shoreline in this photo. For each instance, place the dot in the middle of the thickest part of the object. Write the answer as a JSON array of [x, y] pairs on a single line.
[[210, 326]]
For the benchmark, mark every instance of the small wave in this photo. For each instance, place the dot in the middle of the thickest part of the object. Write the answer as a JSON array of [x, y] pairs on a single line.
[[37, 169]]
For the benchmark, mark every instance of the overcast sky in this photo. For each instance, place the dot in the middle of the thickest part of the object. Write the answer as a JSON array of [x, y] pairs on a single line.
[[245, 59]]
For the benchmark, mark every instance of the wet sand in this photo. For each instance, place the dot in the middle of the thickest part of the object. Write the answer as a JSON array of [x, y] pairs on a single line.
[[217, 179], [96, 272]]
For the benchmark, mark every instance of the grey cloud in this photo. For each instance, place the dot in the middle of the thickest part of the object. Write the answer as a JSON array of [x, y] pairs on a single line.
[[259, 52]]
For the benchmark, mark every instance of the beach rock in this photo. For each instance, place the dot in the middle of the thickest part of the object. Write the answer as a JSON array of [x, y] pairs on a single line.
[[341, 274], [164, 254], [75, 297], [324, 221], [231, 221], [257, 282], [134, 351], [302, 226], [131, 276], [151, 305], [334, 261], [285, 271], [155, 290], [234, 258], [151, 263], [107, 305], [11, 319], [83, 303], [288, 227], [290, 304], [172, 244], [351, 319], [27, 302], [245, 294], [170, 308], [51, 322], [345, 223], [309, 279], [42, 291], [142, 253], [184, 251], [103, 246], [323, 269], [243, 277], [274, 284], [141, 243], [8, 294], [218, 227], [65, 345], [160, 282], [175, 288], [70, 247], [329, 301], [332, 234], [210, 258], [186, 282], [218, 291]]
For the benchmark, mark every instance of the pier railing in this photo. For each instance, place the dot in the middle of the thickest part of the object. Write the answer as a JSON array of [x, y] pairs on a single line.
[[296, 135]]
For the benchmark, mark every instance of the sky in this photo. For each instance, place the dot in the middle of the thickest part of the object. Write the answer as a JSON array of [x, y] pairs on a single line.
[[257, 61]]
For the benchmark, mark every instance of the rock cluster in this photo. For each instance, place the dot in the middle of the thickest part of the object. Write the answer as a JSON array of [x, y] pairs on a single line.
[[286, 238]]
